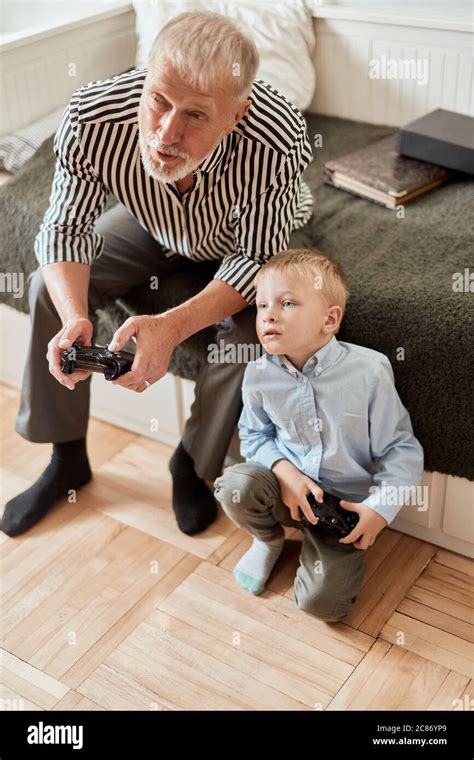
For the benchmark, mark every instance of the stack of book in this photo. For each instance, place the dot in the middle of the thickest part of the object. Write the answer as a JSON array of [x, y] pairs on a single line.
[[396, 169]]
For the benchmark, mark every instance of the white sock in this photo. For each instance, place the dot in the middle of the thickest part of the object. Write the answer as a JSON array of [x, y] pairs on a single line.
[[254, 568]]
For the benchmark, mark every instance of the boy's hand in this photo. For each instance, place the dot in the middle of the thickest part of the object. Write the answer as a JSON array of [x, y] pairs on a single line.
[[367, 529], [295, 487]]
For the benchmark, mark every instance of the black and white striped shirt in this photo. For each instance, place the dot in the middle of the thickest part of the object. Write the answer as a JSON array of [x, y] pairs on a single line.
[[247, 197]]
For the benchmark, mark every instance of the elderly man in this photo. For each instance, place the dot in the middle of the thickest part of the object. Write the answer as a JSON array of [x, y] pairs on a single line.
[[206, 163]]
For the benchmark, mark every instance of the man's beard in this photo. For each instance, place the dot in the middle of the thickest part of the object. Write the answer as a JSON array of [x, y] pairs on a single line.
[[159, 170]]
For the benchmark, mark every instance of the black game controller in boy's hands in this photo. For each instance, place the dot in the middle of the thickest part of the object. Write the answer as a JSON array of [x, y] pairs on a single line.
[[331, 514], [112, 364]]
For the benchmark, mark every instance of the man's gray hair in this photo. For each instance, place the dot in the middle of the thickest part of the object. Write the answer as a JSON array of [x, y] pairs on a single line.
[[208, 50]]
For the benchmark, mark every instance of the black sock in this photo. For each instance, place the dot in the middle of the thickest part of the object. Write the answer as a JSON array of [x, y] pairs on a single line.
[[68, 469], [193, 503]]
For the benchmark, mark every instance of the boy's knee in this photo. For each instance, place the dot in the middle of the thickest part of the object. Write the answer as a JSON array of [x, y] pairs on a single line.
[[323, 608], [234, 486]]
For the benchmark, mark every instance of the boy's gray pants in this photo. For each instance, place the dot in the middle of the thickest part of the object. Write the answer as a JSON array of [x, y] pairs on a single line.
[[330, 574], [49, 412]]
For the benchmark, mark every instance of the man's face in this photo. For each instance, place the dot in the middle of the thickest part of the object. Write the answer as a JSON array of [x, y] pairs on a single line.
[[179, 126], [293, 318]]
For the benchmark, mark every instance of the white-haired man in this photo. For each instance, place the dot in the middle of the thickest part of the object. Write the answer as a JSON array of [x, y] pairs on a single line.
[[206, 163]]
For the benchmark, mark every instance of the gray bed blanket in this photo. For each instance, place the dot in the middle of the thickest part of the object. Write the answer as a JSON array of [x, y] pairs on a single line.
[[400, 274]]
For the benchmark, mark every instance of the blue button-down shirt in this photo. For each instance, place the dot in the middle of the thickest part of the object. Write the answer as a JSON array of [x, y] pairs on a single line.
[[340, 421]]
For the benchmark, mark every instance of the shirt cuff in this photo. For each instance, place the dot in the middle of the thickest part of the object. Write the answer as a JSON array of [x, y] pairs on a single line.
[[387, 511], [239, 271], [267, 455], [51, 247]]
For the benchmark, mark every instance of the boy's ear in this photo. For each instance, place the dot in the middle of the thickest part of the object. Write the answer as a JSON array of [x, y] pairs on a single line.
[[333, 319]]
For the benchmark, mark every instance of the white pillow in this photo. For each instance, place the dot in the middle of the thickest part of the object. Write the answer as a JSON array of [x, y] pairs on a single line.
[[282, 31]]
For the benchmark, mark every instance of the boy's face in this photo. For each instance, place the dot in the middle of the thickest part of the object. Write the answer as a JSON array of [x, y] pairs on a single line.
[[293, 318]]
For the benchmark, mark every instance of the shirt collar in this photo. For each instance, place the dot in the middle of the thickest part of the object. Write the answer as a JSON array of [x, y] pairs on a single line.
[[321, 360], [211, 161]]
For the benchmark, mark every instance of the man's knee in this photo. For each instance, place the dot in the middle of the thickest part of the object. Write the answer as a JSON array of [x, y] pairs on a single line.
[[318, 604], [37, 289], [40, 303]]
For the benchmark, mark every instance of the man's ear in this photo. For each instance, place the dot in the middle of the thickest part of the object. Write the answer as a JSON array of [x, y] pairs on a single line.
[[243, 110], [239, 114]]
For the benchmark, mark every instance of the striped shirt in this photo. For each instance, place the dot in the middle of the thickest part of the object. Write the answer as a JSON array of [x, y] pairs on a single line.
[[248, 194]]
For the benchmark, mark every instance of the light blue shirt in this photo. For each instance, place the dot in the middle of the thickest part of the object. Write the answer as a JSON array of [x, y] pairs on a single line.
[[340, 421]]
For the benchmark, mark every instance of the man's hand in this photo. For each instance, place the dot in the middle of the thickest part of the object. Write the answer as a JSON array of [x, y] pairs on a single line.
[[295, 487], [156, 339], [367, 529], [76, 330]]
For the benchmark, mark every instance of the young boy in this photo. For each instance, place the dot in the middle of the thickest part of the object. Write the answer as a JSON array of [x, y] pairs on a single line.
[[319, 415]]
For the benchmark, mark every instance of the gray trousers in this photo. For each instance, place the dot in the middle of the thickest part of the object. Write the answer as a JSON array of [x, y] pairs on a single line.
[[49, 412], [330, 574]]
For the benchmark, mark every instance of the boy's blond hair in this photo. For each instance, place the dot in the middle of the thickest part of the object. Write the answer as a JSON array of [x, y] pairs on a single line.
[[325, 272]]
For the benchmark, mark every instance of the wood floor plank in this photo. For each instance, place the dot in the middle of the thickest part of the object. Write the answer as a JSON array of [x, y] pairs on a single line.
[[233, 540], [139, 474], [441, 603], [455, 561], [279, 614], [27, 557], [452, 689], [94, 656], [398, 691], [211, 664], [106, 599], [65, 607], [121, 687], [10, 485], [200, 642], [437, 619], [12, 700], [33, 592], [75, 701], [376, 555], [432, 679], [466, 699], [29, 682], [431, 643], [456, 579], [389, 584], [450, 591], [392, 678], [236, 638], [364, 682]]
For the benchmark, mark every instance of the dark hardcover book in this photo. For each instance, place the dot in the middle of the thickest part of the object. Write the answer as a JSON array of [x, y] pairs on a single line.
[[378, 173], [440, 137]]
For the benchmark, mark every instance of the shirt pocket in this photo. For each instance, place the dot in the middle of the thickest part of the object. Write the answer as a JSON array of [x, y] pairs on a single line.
[[286, 431]]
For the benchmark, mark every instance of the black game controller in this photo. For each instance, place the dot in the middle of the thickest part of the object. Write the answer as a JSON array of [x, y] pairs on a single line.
[[96, 359], [331, 515]]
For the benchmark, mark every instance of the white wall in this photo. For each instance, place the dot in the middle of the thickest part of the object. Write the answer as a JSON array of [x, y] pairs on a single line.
[[347, 40], [41, 66]]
